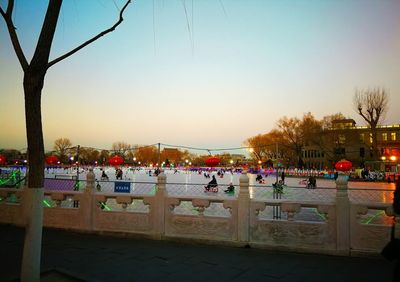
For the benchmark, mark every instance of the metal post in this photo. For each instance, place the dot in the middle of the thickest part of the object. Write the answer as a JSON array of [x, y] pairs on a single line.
[[274, 207], [159, 155], [77, 166], [277, 191], [276, 162], [76, 187]]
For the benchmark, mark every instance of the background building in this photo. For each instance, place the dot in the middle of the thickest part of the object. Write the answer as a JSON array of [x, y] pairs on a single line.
[[345, 140]]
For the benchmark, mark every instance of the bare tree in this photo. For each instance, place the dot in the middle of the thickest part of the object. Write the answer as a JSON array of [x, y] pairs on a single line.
[[33, 81], [372, 105], [61, 146], [327, 121], [104, 156], [121, 148], [298, 133]]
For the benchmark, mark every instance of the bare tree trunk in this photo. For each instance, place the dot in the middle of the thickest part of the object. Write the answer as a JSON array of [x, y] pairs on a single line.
[[375, 151], [34, 74], [33, 84]]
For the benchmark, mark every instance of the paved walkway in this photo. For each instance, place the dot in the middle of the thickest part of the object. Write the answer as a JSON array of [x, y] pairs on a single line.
[[98, 258]]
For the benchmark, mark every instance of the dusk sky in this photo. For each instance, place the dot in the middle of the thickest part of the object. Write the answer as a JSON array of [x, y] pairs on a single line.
[[202, 73]]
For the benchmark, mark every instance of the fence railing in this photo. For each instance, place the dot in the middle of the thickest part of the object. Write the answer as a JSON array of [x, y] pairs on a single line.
[[325, 220]]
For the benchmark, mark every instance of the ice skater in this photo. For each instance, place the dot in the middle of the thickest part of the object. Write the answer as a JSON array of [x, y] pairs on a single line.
[[212, 185]]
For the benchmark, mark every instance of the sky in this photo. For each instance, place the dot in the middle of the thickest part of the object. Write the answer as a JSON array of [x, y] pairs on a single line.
[[201, 73]]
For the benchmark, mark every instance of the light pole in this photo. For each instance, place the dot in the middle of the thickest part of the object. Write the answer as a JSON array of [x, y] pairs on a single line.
[[159, 155], [77, 162], [277, 162]]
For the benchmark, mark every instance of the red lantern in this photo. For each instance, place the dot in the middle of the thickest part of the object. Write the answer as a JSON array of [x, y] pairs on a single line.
[[343, 165], [212, 161], [116, 160], [3, 160], [51, 160]]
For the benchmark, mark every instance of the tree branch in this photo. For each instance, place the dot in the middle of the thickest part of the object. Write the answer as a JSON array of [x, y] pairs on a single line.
[[363, 116], [13, 35], [55, 61], [10, 7]]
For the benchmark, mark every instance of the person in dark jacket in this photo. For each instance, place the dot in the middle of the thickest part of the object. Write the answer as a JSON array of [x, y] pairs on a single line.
[[212, 184], [230, 188]]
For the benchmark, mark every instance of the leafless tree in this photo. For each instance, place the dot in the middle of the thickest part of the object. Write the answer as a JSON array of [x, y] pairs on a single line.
[[372, 105], [298, 133], [121, 148], [33, 81], [61, 146], [327, 121]]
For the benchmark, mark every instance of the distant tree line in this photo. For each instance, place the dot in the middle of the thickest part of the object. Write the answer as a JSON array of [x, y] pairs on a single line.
[[285, 143]]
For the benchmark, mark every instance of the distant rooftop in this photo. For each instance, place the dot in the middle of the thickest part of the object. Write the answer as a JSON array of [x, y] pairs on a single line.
[[343, 123], [351, 124]]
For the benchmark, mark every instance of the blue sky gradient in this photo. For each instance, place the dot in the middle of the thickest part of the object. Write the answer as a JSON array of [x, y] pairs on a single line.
[[225, 72]]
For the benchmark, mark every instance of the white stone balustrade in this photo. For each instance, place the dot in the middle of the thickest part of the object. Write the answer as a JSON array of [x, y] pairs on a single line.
[[291, 209], [339, 230]]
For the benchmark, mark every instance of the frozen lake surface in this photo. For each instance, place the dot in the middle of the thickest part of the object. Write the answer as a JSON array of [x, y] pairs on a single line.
[[187, 185]]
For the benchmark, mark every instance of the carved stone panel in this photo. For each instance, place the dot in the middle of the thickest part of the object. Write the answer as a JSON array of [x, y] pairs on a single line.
[[120, 221], [200, 227], [8, 213], [369, 237], [63, 218], [293, 234]]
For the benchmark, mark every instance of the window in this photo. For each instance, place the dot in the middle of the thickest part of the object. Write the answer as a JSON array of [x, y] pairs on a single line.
[[384, 136], [362, 152], [393, 136], [341, 139], [370, 138], [362, 137]]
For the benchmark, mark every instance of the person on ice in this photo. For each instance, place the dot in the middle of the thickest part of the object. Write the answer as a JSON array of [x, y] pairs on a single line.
[[230, 188], [212, 184]]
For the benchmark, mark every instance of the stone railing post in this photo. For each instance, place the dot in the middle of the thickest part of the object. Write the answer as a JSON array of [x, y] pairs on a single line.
[[342, 216], [90, 179], [159, 205], [88, 203], [243, 208]]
